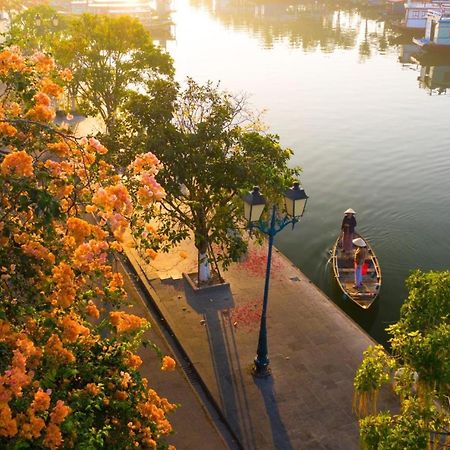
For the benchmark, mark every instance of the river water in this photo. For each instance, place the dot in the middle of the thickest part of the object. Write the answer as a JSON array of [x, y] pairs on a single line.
[[367, 125]]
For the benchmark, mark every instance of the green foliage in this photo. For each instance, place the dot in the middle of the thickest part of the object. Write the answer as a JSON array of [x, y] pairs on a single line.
[[384, 432], [35, 28], [421, 361], [428, 303], [212, 150], [374, 371], [422, 336], [109, 58]]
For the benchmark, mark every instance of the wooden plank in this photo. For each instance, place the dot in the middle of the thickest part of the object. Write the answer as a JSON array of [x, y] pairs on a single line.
[[352, 270]]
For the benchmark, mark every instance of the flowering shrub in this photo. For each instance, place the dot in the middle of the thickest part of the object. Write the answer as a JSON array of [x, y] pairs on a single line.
[[68, 369], [418, 369]]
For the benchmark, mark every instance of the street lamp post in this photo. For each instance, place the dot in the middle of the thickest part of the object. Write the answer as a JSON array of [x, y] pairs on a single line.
[[254, 202]]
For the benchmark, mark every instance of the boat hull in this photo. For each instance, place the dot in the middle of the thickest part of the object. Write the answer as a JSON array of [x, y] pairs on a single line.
[[344, 272]]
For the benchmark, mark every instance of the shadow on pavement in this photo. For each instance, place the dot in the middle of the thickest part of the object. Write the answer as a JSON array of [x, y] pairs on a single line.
[[214, 306], [280, 436]]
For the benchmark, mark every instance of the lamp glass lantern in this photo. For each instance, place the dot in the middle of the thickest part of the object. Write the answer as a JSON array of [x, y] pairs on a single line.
[[55, 21], [254, 204], [295, 200], [38, 20]]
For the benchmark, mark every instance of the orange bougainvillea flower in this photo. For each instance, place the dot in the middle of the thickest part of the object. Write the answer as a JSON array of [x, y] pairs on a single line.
[[55, 349], [121, 395], [66, 75], [18, 163], [14, 109], [92, 310], [53, 437], [151, 253], [168, 364], [41, 401], [57, 274], [49, 87], [7, 130], [126, 322], [41, 113], [64, 279], [8, 425], [116, 282], [116, 246], [73, 329], [78, 228], [43, 63], [93, 389], [60, 412], [37, 250], [149, 181], [60, 148], [35, 427], [90, 255], [133, 361], [148, 162], [113, 198], [11, 60], [97, 146], [119, 225], [42, 99]]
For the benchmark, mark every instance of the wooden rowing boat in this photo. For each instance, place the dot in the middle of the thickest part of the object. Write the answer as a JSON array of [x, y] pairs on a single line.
[[344, 272]]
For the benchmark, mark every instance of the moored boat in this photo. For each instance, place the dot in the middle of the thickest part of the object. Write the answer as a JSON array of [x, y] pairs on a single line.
[[344, 272], [416, 11], [437, 33]]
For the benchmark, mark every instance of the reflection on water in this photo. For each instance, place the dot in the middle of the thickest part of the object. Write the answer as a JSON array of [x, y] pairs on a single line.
[[435, 79], [433, 70], [434, 74], [307, 25], [155, 15], [342, 91]]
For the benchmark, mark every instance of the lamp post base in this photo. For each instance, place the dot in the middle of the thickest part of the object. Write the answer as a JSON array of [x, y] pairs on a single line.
[[260, 370]]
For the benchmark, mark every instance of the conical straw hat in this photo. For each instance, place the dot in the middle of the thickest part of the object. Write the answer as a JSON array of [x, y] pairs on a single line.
[[359, 242]]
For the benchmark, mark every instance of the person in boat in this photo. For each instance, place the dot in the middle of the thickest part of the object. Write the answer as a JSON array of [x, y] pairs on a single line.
[[359, 259], [348, 228]]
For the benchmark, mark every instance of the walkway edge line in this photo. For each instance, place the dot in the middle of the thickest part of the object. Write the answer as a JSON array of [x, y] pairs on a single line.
[[134, 263]]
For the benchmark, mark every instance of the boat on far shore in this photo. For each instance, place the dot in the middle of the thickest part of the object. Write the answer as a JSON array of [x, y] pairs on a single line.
[[437, 33], [344, 272], [415, 18]]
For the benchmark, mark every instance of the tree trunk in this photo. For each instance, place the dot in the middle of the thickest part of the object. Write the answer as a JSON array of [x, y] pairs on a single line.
[[204, 270], [110, 126]]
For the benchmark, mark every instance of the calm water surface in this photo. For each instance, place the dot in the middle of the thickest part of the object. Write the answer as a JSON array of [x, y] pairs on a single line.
[[366, 124]]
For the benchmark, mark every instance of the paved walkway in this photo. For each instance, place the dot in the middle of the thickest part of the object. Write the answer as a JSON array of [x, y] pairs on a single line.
[[314, 349], [173, 385]]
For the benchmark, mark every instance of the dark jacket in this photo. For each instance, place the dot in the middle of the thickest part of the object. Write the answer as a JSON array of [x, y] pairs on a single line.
[[349, 223]]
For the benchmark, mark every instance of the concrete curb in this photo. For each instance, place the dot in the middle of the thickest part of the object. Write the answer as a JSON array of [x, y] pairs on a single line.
[[195, 288], [152, 296]]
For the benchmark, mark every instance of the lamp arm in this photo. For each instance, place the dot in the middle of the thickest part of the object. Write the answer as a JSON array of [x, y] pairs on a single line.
[[261, 225], [264, 226], [285, 221]]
